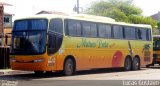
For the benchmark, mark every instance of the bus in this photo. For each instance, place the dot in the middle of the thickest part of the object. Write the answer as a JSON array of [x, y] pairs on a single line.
[[44, 43], [156, 50]]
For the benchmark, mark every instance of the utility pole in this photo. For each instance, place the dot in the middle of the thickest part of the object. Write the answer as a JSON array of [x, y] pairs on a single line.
[[78, 6]]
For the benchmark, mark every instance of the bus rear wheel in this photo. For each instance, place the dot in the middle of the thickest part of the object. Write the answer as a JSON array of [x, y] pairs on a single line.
[[68, 69], [127, 64], [136, 64], [147, 66]]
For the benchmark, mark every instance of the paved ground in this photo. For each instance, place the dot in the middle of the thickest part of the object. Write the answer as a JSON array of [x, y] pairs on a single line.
[[10, 72], [102, 77]]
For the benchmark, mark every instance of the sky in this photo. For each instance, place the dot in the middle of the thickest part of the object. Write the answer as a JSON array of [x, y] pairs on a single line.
[[149, 7], [22, 8]]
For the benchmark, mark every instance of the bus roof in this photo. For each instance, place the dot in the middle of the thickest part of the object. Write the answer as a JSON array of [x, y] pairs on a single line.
[[94, 17], [86, 17], [156, 36]]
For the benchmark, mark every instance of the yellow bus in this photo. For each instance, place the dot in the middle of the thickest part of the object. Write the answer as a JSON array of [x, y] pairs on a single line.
[[78, 42], [156, 50]]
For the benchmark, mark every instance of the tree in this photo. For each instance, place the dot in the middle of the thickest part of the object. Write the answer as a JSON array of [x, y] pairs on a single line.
[[158, 25], [120, 10], [142, 20]]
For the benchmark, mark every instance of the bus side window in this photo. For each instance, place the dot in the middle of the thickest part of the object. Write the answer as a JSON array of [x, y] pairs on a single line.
[[89, 29], [139, 33], [74, 28], [144, 34], [130, 33], [149, 35], [104, 31], [56, 25], [118, 32], [86, 29]]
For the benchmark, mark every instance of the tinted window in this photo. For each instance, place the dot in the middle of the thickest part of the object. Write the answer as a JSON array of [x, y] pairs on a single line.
[[130, 33], [32, 42], [86, 29], [148, 35], [51, 43], [54, 42], [38, 24], [93, 30], [74, 28], [144, 34], [21, 25], [30, 24], [156, 45], [118, 32], [104, 31], [139, 33], [56, 25], [89, 29]]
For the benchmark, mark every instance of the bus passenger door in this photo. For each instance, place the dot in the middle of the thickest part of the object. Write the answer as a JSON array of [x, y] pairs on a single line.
[[55, 37], [54, 44]]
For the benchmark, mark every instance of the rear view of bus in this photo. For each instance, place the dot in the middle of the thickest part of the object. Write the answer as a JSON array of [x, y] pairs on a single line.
[[156, 49]]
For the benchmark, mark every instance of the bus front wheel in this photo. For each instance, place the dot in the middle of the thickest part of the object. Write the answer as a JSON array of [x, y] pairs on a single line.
[[127, 64], [38, 72], [68, 67]]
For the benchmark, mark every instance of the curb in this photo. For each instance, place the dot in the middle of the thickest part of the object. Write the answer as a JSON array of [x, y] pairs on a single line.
[[3, 72], [8, 72]]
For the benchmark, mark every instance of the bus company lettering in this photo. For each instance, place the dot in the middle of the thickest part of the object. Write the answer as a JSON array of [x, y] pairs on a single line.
[[98, 44]]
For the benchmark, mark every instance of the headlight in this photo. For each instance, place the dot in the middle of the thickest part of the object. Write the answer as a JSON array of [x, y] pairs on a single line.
[[38, 60]]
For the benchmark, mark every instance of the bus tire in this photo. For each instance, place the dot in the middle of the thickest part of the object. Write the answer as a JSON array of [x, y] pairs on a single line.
[[136, 63], [147, 66], [127, 64], [68, 69], [48, 72], [38, 72]]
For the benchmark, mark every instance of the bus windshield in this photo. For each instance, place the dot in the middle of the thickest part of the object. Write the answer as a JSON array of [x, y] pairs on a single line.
[[157, 45], [30, 24], [29, 36]]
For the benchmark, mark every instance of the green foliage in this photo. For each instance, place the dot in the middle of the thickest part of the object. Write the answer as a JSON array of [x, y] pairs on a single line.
[[120, 10], [101, 7], [142, 20], [158, 25]]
